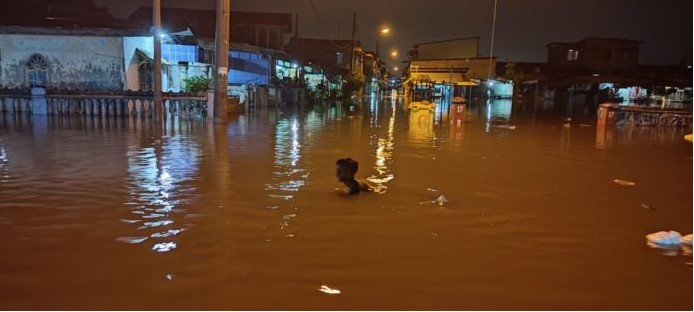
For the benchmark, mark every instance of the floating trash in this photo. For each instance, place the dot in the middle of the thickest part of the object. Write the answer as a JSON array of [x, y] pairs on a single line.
[[665, 238], [164, 247], [329, 290], [508, 127], [169, 276], [646, 206], [624, 182], [441, 200], [288, 217], [688, 137], [672, 242]]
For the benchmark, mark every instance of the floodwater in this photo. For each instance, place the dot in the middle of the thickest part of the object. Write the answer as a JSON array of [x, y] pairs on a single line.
[[110, 213]]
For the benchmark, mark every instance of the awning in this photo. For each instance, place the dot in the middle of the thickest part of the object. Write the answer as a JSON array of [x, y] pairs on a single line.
[[456, 78]]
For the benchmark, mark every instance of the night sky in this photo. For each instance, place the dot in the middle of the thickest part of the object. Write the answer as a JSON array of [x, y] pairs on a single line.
[[523, 29]]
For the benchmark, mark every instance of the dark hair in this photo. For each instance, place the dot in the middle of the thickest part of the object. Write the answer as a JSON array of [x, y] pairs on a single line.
[[349, 164]]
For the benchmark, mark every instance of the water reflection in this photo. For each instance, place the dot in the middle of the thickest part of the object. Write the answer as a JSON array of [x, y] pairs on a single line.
[[61, 209], [498, 113], [421, 126], [456, 129], [4, 163], [160, 170], [384, 146], [604, 136], [287, 178]]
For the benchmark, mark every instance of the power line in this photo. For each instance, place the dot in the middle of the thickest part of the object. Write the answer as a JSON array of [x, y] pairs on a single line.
[[320, 22]]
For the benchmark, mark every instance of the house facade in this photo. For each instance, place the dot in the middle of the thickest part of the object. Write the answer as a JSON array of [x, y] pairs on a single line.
[[62, 58], [595, 55]]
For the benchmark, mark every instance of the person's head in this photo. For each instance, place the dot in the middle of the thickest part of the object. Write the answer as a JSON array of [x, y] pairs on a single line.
[[346, 169]]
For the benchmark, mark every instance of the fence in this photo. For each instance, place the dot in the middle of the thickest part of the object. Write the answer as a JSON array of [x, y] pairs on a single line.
[[124, 103]]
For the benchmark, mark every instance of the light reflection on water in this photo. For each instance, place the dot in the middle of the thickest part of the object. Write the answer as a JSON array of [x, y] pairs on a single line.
[[119, 214], [384, 144], [159, 181]]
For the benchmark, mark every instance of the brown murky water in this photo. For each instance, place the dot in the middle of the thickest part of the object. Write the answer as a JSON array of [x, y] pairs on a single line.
[[115, 214]]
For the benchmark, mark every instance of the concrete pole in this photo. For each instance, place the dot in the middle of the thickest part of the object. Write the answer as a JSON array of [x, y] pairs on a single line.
[[222, 61], [156, 74], [353, 42]]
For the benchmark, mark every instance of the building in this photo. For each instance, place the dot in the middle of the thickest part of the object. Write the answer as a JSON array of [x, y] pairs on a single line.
[[595, 56], [260, 29], [450, 67], [58, 58]]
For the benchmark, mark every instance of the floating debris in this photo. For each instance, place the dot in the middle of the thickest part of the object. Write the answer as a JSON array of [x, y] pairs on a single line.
[[169, 276], [624, 182], [431, 189], [508, 127], [665, 238], [646, 206], [288, 217], [441, 200], [688, 137], [329, 290]]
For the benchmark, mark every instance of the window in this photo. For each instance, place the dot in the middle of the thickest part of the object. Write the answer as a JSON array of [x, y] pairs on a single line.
[[144, 75], [37, 71], [571, 55]]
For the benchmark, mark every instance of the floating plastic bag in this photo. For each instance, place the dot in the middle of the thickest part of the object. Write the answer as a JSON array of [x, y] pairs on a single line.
[[665, 238]]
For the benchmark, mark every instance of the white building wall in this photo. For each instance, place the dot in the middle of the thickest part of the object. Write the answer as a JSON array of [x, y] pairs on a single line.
[[76, 62], [172, 73], [130, 44]]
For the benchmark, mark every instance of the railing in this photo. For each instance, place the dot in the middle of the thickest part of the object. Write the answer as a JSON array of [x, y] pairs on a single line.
[[117, 103]]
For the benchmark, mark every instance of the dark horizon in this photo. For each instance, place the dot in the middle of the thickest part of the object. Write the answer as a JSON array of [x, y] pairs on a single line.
[[523, 29]]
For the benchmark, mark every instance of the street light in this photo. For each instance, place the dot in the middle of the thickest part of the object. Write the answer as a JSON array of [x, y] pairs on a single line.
[[383, 31], [394, 53]]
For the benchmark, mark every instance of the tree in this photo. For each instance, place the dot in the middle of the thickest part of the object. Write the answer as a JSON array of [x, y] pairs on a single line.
[[354, 83], [512, 74]]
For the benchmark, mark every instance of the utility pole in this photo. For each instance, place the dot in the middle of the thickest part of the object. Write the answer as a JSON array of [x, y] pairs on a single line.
[[352, 45], [491, 47], [156, 74], [222, 61]]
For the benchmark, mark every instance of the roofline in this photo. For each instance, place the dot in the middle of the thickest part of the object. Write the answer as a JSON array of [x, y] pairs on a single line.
[[455, 59], [592, 38], [447, 40], [74, 31]]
